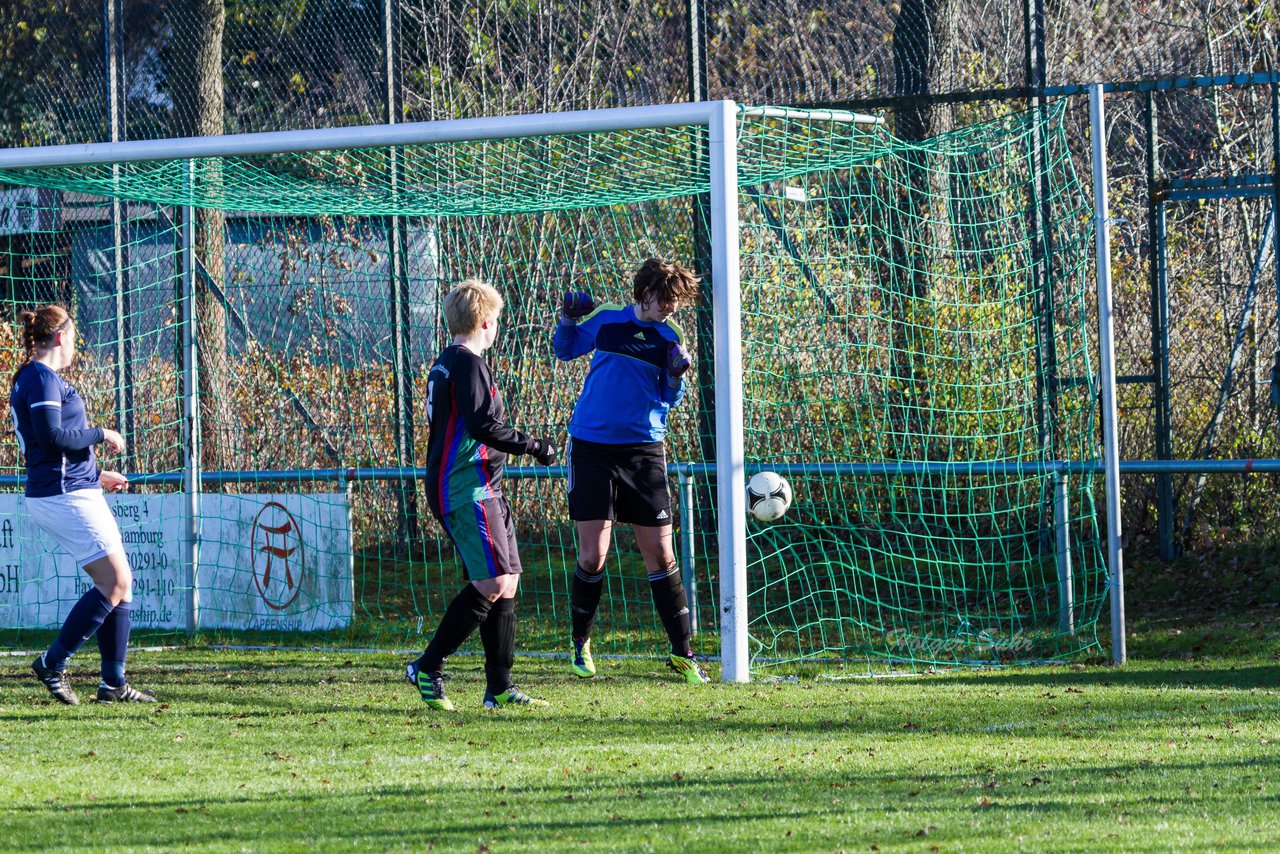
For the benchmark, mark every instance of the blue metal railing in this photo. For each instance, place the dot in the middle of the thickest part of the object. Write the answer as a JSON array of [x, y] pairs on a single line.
[[975, 469]]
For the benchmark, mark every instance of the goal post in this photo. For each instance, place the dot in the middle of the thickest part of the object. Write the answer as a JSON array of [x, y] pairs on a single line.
[[730, 459]]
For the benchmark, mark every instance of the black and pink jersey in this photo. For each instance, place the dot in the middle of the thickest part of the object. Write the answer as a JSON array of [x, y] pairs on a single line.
[[470, 439]]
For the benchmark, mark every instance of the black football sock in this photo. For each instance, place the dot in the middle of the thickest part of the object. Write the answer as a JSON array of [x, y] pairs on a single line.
[[85, 618], [672, 605], [498, 632], [113, 643], [584, 600], [467, 610]]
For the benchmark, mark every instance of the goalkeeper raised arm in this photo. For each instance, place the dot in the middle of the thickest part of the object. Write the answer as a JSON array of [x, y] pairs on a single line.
[[468, 445], [615, 453]]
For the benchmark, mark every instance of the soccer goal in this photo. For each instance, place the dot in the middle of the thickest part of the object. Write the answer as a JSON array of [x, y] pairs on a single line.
[[899, 329]]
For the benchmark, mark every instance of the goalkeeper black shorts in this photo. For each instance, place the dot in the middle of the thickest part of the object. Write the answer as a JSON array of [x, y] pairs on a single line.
[[625, 483]]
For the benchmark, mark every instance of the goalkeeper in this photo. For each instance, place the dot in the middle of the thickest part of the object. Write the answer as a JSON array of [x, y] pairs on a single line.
[[615, 453], [468, 445]]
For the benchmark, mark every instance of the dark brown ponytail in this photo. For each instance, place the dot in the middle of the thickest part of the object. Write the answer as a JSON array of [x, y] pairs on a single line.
[[38, 329]]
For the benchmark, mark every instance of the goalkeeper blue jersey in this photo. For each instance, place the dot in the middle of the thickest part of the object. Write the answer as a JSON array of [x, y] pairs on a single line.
[[626, 396]]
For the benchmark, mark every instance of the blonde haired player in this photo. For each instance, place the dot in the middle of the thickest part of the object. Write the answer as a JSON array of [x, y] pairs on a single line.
[[468, 445]]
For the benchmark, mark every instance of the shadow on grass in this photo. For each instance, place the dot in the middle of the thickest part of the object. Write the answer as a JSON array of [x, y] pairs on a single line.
[[1235, 677], [592, 805], [857, 711]]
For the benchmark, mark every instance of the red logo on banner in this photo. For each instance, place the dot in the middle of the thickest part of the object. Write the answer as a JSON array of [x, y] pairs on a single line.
[[279, 561]]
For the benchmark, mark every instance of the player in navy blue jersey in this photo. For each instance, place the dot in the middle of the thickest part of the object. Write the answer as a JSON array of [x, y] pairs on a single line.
[[616, 456], [466, 451], [64, 495]]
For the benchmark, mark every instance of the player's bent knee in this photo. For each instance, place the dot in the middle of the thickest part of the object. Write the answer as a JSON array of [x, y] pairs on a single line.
[[665, 558], [488, 588], [500, 587], [508, 585], [121, 588], [117, 592], [662, 561], [113, 577]]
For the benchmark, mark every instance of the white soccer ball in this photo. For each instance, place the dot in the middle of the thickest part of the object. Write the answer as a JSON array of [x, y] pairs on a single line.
[[768, 496]]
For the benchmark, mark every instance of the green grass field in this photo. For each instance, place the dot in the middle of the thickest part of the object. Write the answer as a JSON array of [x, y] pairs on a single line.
[[304, 750]]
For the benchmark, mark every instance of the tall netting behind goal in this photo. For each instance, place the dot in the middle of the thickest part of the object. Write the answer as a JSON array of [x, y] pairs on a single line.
[[904, 365], [907, 363]]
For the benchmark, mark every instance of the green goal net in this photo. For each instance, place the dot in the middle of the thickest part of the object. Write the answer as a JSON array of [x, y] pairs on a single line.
[[915, 357]]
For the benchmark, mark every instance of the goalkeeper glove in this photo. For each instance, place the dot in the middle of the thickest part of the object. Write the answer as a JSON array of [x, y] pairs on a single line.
[[678, 361], [544, 451], [577, 304]]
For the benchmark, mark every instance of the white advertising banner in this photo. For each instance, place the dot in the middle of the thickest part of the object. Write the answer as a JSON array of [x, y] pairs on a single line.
[[270, 562], [40, 582], [275, 562]]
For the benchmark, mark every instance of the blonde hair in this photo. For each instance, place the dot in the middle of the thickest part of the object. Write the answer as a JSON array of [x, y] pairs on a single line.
[[469, 304]]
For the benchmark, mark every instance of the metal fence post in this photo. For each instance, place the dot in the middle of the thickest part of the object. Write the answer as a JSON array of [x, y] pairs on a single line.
[[1041, 216], [700, 211], [190, 407], [684, 477], [113, 13], [1062, 553], [1159, 273], [346, 485], [1275, 181], [1107, 369], [397, 267]]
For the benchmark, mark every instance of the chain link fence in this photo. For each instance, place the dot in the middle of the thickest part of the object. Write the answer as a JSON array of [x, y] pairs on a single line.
[[927, 66]]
